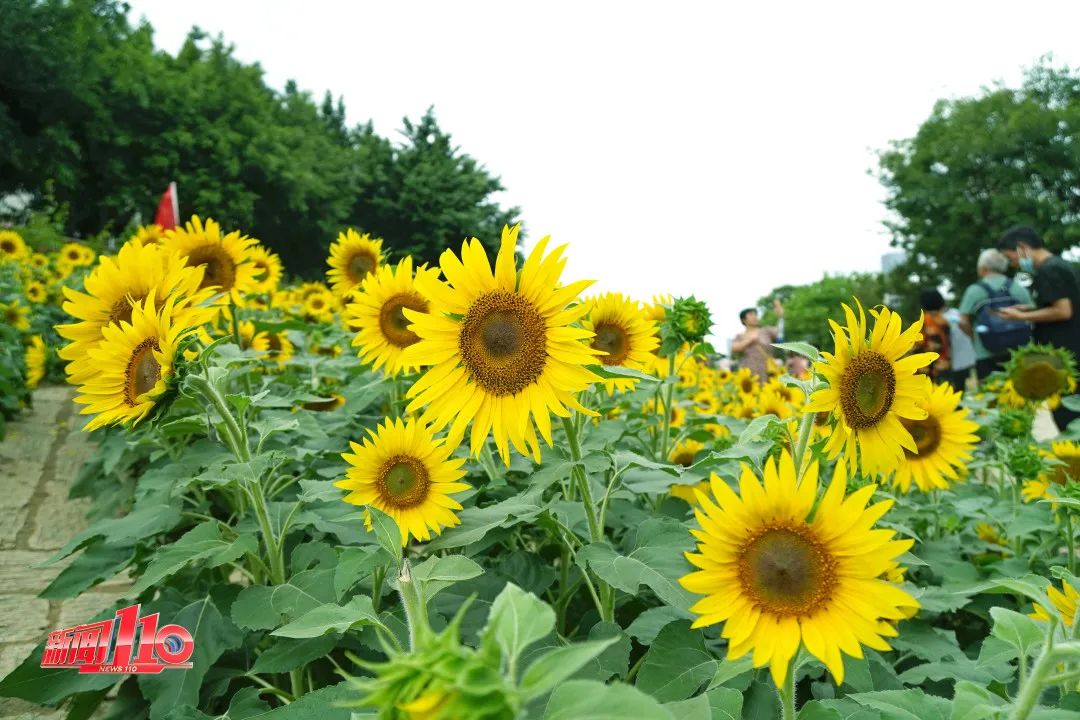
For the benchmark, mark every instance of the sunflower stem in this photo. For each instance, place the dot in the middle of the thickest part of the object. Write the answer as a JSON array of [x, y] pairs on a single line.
[[669, 392], [806, 427], [1070, 541], [787, 693], [1032, 686], [415, 608]]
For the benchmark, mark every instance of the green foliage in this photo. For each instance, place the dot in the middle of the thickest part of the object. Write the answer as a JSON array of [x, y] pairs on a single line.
[[97, 119], [805, 306], [980, 164]]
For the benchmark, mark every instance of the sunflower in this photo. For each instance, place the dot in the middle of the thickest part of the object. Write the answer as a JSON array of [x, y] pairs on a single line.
[[36, 354], [772, 402], [871, 389], [271, 267], [250, 339], [688, 493], [279, 348], [148, 234], [777, 577], [678, 413], [320, 306], [623, 333], [118, 283], [335, 401], [225, 259], [39, 261], [77, 254], [502, 351], [378, 318], [1066, 601], [35, 292], [352, 258], [12, 246], [746, 381], [706, 403], [684, 452], [127, 373], [409, 475], [15, 314], [1067, 467], [943, 439], [1040, 372]]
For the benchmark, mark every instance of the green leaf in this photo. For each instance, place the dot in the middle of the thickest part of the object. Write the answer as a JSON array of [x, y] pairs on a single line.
[[907, 704], [331, 618], [327, 703], [386, 532], [618, 372], [48, 686], [974, 702], [261, 608], [555, 666], [287, 654], [693, 709], [800, 348], [477, 522], [439, 573], [202, 542], [517, 619], [213, 635], [591, 700], [97, 563], [136, 525], [731, 669], [648, 624], [657, 562], [677, 664], [1018, 630]]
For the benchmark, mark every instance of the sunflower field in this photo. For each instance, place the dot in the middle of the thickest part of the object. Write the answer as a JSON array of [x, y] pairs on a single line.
[[476, 490]]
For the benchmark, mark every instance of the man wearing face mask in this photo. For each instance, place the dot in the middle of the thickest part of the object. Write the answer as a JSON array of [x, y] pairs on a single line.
[[1056, 288]]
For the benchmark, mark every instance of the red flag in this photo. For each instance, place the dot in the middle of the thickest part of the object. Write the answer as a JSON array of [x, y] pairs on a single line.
[[168, 210]]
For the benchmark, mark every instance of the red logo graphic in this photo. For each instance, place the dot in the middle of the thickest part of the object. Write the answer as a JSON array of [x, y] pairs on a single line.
[[109, 646]]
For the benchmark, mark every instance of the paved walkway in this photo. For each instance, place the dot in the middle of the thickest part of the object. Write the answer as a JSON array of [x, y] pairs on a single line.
[[39, 458]]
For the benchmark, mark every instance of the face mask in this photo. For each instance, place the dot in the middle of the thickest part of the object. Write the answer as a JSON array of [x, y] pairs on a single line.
[[1027, 265]]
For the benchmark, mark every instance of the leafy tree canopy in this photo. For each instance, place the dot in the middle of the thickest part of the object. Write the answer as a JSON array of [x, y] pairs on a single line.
[[89, 108], [806, 305], [980, 164]]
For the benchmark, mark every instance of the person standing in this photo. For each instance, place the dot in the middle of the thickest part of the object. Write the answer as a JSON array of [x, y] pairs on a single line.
[[992, 335], [962, 350], [935, 335], [1055, 287], [754, 344]]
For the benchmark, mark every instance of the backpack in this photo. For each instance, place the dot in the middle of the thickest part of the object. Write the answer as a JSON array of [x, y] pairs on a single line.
[[997, 334]]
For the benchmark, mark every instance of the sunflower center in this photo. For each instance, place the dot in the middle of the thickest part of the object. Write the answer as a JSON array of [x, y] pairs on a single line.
[[926, 434], [1038, 377], [273, 343], [787, 571], [683, 457], [613, 340], [8, 246], [402, 482], [121, 309], [143, 371], [1069, 472], [503, 342], [746, 385], [218, 267], [360, 265], [867, 389], [392, 320]]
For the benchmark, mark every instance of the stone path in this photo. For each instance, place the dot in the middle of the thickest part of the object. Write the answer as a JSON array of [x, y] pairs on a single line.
[[39, 458]]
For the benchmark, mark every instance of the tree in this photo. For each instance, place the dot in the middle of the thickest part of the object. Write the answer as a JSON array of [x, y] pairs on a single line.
[[95, 113], [432, 196], [979, 165], [807, 307]]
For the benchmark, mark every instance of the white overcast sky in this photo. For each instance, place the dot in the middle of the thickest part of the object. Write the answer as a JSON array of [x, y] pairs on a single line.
[[718, 149]]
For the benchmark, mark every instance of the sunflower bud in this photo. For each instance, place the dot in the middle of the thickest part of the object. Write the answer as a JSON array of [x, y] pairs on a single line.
[[689, 321]]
